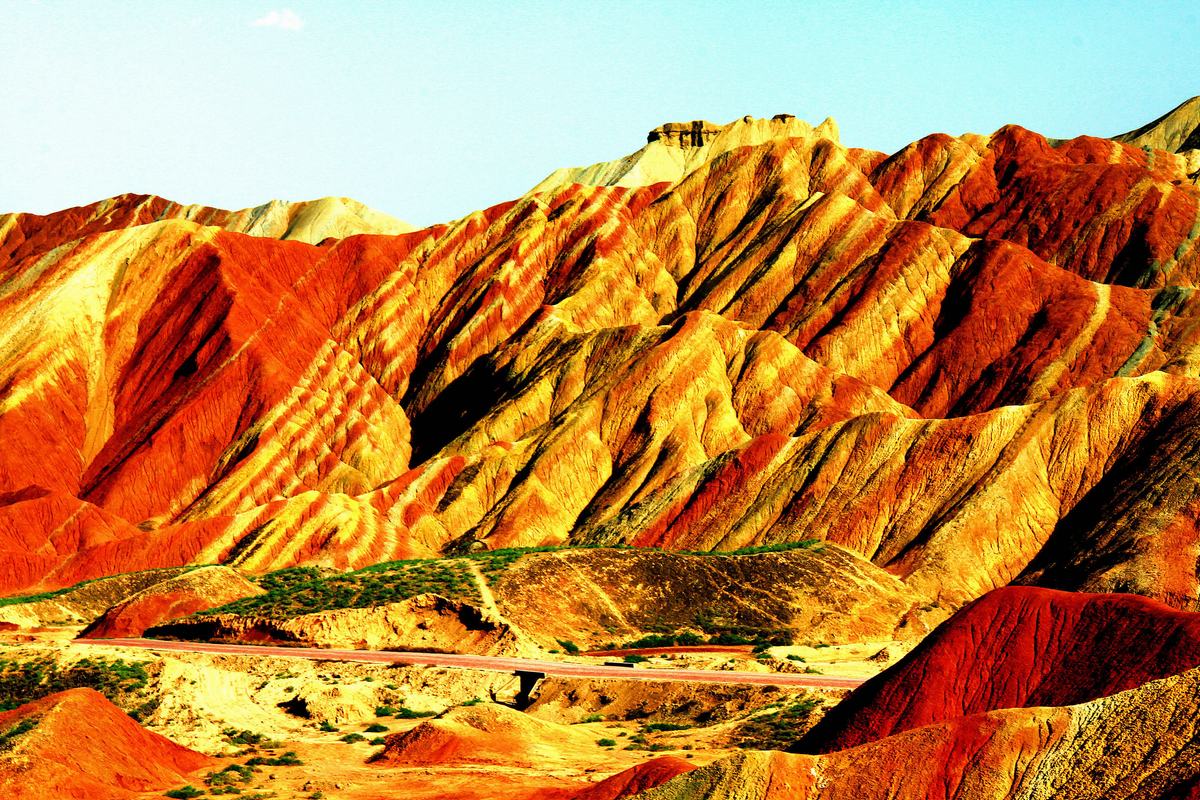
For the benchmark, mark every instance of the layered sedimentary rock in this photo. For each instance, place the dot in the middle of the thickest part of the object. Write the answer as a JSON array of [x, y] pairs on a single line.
[[180, 596], [1016, 647], [971, 362], [596, 596], [427, 623], [1175, 131], [76, 744], [484, 734], [1142, 743]]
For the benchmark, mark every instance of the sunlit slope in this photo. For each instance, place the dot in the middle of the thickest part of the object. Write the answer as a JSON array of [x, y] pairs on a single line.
[[972, 362]]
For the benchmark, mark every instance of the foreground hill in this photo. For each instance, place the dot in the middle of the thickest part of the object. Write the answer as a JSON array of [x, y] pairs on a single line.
[[1016, 648], [76, 744], [1143, 743], [971, 362]]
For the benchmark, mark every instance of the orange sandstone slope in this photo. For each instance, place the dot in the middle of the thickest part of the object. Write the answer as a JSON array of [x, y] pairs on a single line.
[[76, 744], [971, 362]]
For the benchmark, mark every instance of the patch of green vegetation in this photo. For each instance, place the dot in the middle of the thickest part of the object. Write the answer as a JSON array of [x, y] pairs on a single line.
[[185, 792], [295, 591], [33, 598], [351, 738], [303, 590], [378, 740], [568, 646], [634, 658], [377, 728], [120, 681], [665, 726], [474, 701], [606, 742], [230, 776], [327, 726], [10, 736], [401, 712], [718, 634], [245, 738], [593, 718], [778, 728], [288, 759]]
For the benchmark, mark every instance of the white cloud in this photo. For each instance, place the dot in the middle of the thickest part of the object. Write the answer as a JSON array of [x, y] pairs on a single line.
[[282, 18]]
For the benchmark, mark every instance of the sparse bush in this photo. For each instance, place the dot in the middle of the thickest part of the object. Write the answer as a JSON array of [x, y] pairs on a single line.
[[184, 792], [634, 658], [568, 646], [119, 680], [377, 728], [10, 736], [606, 742], [351, 738], [327, 726], [288, 759]]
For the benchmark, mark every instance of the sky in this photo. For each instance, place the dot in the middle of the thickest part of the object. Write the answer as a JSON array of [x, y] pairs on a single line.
[[428, 111]]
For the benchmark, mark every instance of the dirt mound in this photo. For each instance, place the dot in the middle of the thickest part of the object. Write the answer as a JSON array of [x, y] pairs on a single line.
[[76, 744], [485, 734], [176, 597], [425, 623], [636, 779], [1017, 647], [1144, 743], [83, 603]]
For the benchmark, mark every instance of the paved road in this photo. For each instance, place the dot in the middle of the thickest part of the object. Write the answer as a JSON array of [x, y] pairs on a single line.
[[492, 663]]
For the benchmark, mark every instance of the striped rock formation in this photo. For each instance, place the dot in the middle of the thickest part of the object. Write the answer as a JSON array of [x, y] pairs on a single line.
[[1026, 693], [1016, 647], [76, 744], [972, 362]]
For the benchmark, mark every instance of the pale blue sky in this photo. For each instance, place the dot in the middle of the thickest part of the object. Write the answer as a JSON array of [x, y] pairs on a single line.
[[428, 111]]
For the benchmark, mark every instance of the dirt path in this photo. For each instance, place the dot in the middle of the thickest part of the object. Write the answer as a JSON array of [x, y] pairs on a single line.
[[486, 598], [491, 663]]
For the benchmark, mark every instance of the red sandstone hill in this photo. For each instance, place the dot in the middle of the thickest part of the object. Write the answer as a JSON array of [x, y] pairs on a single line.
[[178, 596], [1016, 647], [1140, 744], [76, 744], [972, 362]]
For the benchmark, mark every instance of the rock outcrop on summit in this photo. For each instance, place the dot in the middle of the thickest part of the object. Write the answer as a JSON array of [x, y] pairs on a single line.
[[972, 362]]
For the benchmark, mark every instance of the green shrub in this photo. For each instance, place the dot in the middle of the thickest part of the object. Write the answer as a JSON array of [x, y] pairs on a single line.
[[606, 742], [568, 646], [351, 738], [666, 726], [408, 713], [593, 718], [377, 728], [633, 658], [10, 736], [185, 792], [24, 681], [327, 726], [288, 759]]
